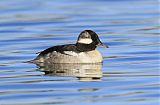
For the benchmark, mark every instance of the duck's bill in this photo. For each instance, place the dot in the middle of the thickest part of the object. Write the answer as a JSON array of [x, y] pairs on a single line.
[[102, 45]]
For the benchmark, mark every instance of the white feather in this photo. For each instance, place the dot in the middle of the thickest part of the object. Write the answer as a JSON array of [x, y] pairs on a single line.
[[71, 53], [85, 41]]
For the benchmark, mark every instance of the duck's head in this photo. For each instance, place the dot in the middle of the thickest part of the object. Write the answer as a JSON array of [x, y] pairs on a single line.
[[89, 37]]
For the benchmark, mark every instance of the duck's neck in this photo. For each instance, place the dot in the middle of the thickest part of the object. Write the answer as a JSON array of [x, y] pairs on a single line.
[[85, 47]]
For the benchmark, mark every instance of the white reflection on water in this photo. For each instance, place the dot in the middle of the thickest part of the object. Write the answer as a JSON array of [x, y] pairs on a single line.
[[85, 72]]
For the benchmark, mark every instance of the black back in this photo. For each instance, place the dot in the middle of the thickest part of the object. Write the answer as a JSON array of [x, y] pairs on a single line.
[[60, 48]]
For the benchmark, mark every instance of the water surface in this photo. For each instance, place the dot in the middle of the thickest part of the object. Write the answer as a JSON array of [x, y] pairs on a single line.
[[130, 71]]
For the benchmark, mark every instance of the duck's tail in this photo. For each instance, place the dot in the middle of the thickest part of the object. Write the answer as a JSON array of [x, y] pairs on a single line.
[[32, 61]]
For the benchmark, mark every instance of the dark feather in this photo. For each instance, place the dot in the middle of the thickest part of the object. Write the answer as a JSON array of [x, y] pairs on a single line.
[[60, 48]]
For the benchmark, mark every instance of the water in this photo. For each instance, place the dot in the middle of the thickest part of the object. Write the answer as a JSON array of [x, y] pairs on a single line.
[[128, 76]]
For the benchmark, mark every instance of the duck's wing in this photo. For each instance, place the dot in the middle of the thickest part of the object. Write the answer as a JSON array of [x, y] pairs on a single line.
[[59, 48]]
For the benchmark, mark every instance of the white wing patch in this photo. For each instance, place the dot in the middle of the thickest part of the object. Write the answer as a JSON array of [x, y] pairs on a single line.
[[71, 53]]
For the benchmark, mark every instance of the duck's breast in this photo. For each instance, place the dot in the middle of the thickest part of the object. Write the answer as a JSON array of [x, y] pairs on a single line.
[[91, 57], [72, 57]]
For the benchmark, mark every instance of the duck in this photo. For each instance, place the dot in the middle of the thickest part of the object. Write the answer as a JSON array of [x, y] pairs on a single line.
[[82, 52]]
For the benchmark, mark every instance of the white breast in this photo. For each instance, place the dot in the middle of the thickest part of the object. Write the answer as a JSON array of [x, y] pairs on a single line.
[[90, 57]]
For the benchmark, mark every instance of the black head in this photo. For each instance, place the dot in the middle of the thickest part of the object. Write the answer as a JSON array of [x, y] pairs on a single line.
[[90, 40], [90, 37]]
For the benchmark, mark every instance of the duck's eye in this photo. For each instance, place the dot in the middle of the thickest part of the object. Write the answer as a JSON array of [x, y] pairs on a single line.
[[85, 35]]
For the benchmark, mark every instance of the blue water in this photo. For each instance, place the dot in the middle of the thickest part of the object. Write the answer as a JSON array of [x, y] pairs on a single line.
[[130, 71]]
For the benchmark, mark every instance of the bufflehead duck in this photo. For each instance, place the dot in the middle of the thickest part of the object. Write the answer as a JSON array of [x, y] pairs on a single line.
[[84, 51]]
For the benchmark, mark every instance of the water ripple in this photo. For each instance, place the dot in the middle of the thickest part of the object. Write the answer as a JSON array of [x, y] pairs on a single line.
[[129, 74]]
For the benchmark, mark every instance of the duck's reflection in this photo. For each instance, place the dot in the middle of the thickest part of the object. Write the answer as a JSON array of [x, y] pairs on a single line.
[[85, 72]]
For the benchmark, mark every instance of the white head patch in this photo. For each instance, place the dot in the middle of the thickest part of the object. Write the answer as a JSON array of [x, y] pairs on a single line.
[[85, 40]]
